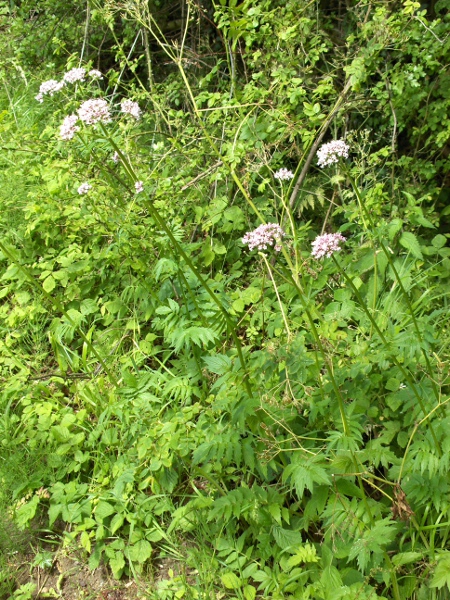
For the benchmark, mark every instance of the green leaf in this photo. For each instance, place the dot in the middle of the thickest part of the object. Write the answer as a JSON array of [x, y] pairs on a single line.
[[441, 575], [439, 241], [409, 241], [249, 592], [139, 552], [218, 364], [117, 564], [117, 522], [405, 558], [104, 509], [49, 284], [26, 512], [231, 581]]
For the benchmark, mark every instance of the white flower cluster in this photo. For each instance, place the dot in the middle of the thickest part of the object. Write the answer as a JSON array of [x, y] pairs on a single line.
[[52, 86], [329, 154], [69, 127], [84, 188], [95, 74], [284, 174], [326, 245], [75, 75], [115, 157], [269, 234], [49, 87], [131, 108], [139, 187], [94, 111]]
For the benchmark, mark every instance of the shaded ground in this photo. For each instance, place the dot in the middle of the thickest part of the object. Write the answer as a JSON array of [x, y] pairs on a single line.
[[66, 576]]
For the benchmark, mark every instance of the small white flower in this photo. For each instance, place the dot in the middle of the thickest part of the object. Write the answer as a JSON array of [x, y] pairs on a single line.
[[284, 174], [330, 153], [139, 187], [115, 157], [131, 108]]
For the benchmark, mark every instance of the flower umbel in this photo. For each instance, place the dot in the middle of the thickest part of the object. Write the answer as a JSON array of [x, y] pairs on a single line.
[[95, 74], [75, 75], [49, 87], [69, 128], [284, 174], [330, 153], [326, 245], [264, 236], [84, 188], [94, 111], [131, 108], [139, 187]]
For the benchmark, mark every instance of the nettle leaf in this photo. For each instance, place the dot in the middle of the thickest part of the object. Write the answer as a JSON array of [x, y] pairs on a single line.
[[218, 364], [409, 241]]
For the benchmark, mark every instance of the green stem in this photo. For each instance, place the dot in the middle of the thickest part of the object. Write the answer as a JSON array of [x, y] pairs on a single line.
[[388, 348], [399, 281]]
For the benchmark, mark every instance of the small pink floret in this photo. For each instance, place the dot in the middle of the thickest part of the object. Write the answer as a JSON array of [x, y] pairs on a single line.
[[139, 187], [264, 236], [326, 245]]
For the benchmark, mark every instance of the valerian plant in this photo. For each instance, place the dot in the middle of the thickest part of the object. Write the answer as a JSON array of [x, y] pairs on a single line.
[[223, 331]]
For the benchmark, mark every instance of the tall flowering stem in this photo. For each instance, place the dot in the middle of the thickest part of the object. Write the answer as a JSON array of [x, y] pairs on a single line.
[[177, 246]]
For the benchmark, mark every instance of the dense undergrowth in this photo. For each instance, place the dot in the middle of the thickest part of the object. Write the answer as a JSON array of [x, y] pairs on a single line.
[[276, 421]]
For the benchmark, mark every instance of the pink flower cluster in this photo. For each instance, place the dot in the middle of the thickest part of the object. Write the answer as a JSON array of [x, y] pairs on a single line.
[[69, 127], [84, 188], [52, 86], [139, 187], [49, 87], [94, 111], [95, 74], [75, 75], [330, 153], [131, 108], [264, 236], [284, 174], [326, 245]]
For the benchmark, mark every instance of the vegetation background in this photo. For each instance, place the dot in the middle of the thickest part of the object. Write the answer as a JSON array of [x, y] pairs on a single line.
[[274, 422]]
